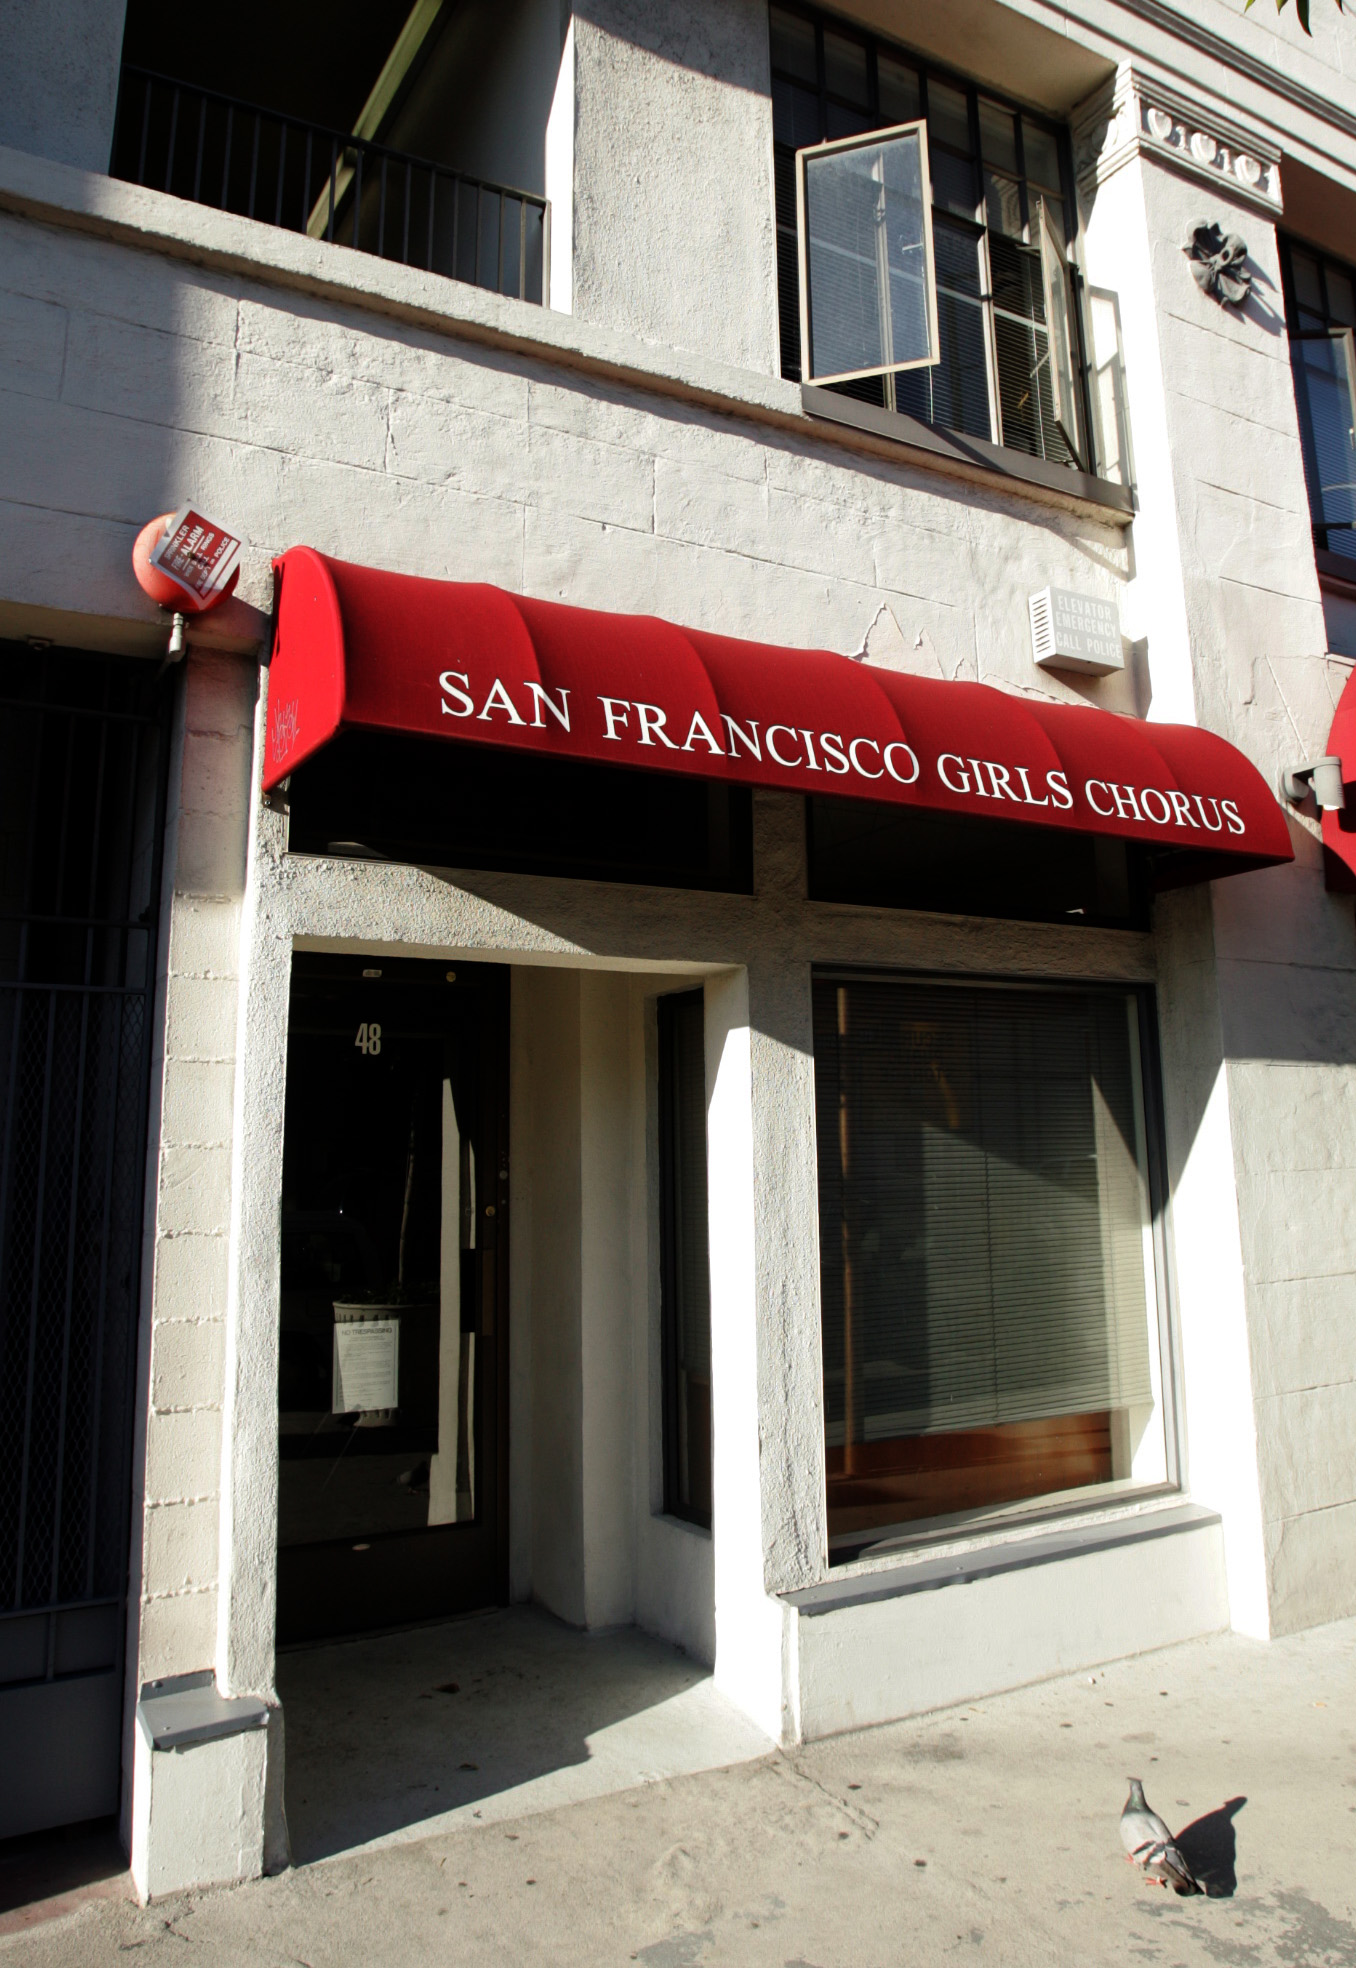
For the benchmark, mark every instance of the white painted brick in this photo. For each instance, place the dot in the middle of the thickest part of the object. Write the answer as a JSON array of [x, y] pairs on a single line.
[[1290, 1011], [32, 345], [299, 409], [196, 1103], [1306, 1440], [1310, 1583], [180, 1551], [1294, 1116], [913, 561], [1254, 619], [1212, 369], [125, 369], [1302, 1332], [217, 775], [570, 559], [589, 407], [71, 459], [1296, 1227], [734, 595], [195, 1190], [210, 852], [695, 503], [134, 286], [401, 524], [178, 1634], [448, 444], [1241, 538], [346, 343], [192, 1276], [188, 1363], [183, 1455], [1230, 448], [593, 481], [200, 1018], [204, 937], [874, 486], [219, 696]]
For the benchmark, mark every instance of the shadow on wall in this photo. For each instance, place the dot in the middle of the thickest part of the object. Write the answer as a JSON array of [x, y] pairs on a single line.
[[386, 1733]]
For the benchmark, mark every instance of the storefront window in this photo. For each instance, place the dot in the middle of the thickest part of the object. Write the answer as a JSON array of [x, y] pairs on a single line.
[[685, 1272], [990, 1314]]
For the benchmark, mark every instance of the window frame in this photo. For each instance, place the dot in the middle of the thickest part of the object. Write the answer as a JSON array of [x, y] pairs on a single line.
[[1081, 460], [845, 1549], [1331, 560], [672, 1503], [834, 147]]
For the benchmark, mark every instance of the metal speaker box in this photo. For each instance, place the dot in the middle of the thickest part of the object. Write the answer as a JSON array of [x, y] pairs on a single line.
[[1075, 632]]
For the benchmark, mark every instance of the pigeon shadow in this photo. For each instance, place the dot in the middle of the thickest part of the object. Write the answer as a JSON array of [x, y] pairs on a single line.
[[1209, 1847]]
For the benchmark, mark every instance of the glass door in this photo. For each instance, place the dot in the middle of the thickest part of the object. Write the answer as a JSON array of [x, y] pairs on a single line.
[[392, 1433]]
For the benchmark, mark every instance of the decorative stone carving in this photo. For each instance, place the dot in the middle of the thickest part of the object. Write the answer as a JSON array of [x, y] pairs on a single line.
[[1136, 116], [1219, 263]]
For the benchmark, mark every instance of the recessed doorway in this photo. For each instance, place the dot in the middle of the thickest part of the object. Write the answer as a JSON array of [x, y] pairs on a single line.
[[392, 1423]]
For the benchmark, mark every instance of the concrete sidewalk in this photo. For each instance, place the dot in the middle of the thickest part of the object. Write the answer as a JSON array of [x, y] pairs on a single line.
[[988, 1831]]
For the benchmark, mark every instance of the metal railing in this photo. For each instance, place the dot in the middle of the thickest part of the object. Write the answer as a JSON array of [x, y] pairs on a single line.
[[261, 164]]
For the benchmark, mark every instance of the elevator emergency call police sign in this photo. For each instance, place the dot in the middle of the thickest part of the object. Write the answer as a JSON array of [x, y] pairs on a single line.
[[1071, 631]]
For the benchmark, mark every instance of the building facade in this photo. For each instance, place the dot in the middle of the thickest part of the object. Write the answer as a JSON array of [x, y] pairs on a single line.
[[484, 1122]]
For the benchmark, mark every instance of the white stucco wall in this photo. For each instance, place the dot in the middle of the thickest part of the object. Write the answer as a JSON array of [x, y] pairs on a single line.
[[1260, 984], [670, 206], [60, 62]]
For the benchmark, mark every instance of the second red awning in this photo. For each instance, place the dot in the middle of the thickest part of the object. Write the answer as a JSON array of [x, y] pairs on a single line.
[[356, 648]]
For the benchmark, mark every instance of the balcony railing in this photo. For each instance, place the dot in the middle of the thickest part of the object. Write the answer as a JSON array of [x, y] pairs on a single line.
[[263, 165]]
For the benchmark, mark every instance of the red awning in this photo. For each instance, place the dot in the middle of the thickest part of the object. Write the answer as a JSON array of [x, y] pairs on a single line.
[[1339, 823], [355, 648]]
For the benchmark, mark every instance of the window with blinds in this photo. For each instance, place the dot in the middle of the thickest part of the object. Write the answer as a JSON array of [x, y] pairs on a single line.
[[989, 1307], [1006, 362], [685, 1287]]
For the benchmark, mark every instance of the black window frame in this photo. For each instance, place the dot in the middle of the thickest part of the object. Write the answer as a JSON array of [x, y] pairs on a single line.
[[1339, 560], [992, 312], [682, 1500]]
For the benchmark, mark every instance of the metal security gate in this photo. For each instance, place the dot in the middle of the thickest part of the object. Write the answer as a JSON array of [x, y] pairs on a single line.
[[83, 754]]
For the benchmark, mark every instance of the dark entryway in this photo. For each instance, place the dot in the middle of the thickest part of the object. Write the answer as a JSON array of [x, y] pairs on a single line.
[[393, 1363], [83, 753]]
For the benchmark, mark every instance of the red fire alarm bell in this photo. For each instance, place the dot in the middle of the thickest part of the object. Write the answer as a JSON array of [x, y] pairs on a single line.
[[186, 562]]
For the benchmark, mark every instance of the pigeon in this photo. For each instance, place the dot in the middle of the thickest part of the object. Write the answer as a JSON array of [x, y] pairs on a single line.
[[1148, 1844]]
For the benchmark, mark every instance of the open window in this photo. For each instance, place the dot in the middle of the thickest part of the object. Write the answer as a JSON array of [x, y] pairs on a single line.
[[868, 286], [1061, 335], [923, 230]]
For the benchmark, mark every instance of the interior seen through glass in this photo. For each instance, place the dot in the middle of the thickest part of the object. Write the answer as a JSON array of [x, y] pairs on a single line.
[[990, 167], [686, 1283], [376, 1400], [989, 1311], [1321, 304]]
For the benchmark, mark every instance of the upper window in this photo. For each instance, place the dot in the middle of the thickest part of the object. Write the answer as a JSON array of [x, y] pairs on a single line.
[[1320, 306], [987, 1250], [1000, 357]]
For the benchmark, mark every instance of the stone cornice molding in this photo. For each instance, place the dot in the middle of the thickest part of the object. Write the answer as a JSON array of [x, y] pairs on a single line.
[[1137, 116], [1179, 24]]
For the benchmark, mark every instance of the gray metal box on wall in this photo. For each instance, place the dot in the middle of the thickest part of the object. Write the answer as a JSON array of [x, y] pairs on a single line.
[[1071, 631]]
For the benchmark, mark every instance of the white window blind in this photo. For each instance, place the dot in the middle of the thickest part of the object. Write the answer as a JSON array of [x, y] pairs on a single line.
[[983, 1203]]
